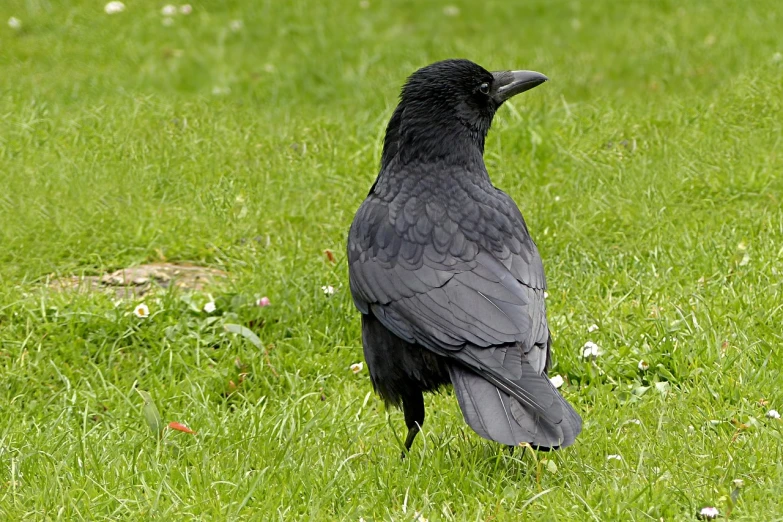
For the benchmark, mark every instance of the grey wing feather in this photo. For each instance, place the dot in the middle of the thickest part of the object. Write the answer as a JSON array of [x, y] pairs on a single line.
[[497, 415]]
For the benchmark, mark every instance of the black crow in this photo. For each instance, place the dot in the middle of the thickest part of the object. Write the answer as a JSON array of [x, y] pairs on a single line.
[[444, 272]]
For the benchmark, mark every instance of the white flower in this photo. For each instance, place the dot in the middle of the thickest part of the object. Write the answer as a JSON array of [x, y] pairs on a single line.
[[644, 366], [546, 294], [591, 350], [167, 21], [592, 328], [210, 307], [357, 367], [614, 457], [186, 9], [773, 414], [708, 513], [451, 10], [114, 7], [169, 10], [236, 25], [738, 483], [142, 311], [557, 381], [14, 23], [328, 290], [557, 199]]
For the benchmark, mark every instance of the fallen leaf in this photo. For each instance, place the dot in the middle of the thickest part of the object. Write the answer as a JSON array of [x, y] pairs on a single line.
[[181, 427]]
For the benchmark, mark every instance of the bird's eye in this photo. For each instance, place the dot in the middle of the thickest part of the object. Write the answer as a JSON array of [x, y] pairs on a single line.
[[484, 88]]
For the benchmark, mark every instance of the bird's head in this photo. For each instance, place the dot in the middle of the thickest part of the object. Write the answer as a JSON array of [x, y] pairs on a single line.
[[450, 104]]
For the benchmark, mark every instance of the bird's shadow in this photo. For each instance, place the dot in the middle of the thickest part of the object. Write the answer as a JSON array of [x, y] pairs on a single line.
[[458, 450]]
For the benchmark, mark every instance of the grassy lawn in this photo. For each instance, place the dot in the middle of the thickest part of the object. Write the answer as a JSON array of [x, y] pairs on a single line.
[[244, 135]]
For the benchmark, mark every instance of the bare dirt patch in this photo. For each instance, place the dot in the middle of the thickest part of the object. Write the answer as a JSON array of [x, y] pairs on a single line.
[[139, 280]]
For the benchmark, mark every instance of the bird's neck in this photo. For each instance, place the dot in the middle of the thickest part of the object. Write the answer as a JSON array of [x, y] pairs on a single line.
[[447, 143]]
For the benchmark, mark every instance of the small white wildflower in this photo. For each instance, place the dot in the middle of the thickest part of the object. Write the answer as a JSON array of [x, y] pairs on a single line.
[[557, 199], [236, 25], [114, 7], [357, 367], [142, 311], [773, 414], [451, 10], [738, 483], [14, 23], [691, 429], [708, 513], [546, 294], [557, 381], [210, 307], [186, 9], [169, 10], [614, 457], [592, 328], [644, 366], [328, 290], [591, 350]]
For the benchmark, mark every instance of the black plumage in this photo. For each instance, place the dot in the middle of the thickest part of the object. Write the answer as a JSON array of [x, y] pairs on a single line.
[[449, 283]]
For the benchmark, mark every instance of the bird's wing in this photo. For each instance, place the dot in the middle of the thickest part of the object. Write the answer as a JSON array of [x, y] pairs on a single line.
[[446, 281]]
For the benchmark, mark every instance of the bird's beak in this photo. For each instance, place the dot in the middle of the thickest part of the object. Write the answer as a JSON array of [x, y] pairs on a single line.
[[511, 83]]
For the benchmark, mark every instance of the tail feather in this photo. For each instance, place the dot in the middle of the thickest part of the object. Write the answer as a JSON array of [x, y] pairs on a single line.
[[496, 415]]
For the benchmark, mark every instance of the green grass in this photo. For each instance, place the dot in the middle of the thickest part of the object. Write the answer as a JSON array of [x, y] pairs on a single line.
[[649, 171]]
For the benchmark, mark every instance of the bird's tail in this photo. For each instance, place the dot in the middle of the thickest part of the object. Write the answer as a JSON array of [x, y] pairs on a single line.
[[496, 415]]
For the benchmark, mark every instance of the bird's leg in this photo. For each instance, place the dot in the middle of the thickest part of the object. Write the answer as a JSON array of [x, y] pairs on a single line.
[[413, 408]]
